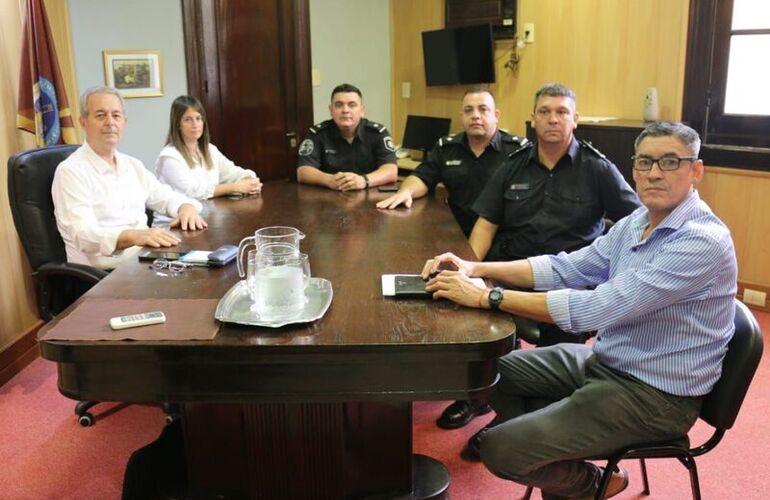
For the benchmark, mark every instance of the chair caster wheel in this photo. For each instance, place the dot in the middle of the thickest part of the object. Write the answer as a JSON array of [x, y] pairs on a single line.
[[86, 420], [170, 419]]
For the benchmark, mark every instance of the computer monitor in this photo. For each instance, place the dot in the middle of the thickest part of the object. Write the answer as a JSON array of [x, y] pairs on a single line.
[[422, 132]]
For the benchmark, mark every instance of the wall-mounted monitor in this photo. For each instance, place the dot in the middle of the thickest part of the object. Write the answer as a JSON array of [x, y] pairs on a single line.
[[422, 132], [462, 55]]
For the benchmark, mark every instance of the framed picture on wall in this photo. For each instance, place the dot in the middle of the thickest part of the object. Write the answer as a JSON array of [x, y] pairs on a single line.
[[135, 73]]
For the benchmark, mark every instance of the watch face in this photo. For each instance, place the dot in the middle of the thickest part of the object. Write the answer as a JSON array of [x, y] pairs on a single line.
[[495, 297]]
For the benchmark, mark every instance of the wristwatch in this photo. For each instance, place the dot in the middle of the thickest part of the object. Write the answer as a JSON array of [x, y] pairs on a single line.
[[495, 298], [366, 181]]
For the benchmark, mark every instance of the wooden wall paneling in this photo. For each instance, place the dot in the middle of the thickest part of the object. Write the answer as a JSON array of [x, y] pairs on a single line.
[[739, 198], [18, 312], [609, 51]]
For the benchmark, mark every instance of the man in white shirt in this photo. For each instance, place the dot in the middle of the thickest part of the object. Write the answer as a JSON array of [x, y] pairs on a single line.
[[100, 194]]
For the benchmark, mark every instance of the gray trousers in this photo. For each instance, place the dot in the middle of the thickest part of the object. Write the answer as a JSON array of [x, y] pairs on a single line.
[[558, 405]]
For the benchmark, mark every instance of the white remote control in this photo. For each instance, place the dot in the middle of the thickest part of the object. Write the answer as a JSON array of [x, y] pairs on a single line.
[[132, 320]]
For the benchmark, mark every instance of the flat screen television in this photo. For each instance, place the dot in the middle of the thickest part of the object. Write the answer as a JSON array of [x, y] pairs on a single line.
[[461, 55], [422, 132]]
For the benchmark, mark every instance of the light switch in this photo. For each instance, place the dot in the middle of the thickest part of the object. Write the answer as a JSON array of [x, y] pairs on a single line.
[[316, 77], [406, 89]]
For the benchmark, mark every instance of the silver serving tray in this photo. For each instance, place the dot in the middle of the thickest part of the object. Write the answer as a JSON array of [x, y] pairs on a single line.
[[235, 306]]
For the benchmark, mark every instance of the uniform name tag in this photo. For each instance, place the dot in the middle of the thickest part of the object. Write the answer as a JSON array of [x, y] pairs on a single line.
[[450, 163], [330, 151], [519, 187]]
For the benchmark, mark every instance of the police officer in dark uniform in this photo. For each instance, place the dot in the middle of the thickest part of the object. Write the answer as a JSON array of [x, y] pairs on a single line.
[[347, 152], [545, 211], [463, 162]]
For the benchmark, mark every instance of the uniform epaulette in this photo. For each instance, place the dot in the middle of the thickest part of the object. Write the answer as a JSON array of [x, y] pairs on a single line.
[[320, 126], [515, 139], [379, 127], [590, 147], [445, 141], [526, 146]]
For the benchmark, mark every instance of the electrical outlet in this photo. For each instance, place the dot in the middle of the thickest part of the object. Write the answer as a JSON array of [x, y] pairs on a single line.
[[529, 32], [754, 297]]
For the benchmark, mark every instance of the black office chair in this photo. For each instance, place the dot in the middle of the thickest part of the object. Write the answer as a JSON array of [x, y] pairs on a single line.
[[58, 283], [720, 408]]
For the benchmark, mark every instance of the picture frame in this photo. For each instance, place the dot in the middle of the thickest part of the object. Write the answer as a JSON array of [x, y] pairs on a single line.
[[135, 73]]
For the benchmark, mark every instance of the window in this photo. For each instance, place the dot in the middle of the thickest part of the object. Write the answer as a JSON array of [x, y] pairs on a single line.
[[727, 80]]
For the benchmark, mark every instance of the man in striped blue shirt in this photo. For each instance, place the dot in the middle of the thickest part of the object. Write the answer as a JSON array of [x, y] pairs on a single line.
[[659, 288]]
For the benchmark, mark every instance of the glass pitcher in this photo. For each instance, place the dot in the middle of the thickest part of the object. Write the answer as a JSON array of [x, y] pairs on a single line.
[[272, 240]]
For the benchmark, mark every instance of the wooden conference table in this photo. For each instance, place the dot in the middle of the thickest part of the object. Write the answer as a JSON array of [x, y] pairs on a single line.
[[319, 410]]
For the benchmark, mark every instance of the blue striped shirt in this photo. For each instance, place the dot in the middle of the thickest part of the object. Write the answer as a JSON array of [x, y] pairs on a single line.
[[663, 307]]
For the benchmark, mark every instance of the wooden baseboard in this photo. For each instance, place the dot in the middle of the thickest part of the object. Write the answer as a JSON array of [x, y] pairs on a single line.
[[19, 354], [759, 288]]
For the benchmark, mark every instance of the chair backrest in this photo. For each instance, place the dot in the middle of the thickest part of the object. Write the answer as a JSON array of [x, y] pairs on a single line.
[[30, 175], [721, 406]]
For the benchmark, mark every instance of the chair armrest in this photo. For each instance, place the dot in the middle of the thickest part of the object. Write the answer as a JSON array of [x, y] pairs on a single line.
[[83, 272]]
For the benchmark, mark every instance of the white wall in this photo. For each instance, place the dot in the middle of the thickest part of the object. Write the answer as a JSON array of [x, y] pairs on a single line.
[[136, 24], [350, 43]]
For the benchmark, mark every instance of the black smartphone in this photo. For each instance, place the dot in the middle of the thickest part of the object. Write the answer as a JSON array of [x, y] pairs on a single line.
[[388, 188], [150, 255]]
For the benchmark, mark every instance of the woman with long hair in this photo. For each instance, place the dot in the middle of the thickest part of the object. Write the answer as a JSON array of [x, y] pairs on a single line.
[[190, 164]]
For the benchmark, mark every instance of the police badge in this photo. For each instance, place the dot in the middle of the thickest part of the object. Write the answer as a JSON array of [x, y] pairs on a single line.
[[306, 148]]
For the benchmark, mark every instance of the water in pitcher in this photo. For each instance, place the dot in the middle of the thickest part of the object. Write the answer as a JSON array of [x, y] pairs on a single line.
[[279, 292]]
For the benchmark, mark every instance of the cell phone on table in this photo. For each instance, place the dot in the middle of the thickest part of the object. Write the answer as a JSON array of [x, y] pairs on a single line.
[[150, 255], [388, 188]]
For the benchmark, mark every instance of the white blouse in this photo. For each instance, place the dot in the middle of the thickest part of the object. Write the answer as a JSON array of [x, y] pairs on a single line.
[[197, 182]]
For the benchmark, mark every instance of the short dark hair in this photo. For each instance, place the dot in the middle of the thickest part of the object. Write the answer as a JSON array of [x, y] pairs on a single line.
[[478, 89], [685, 134], [346, 87], [555, 90]]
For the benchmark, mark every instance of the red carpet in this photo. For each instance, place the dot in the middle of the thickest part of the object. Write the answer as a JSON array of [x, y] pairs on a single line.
[[46, 455]]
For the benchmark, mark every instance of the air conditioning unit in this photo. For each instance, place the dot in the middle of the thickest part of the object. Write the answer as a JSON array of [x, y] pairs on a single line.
[[501, 14]]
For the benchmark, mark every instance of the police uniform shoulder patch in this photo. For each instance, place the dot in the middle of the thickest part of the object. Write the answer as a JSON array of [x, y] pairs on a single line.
[[445, 141], [587, 145], [306, 148], [388, 141], [525, 146]]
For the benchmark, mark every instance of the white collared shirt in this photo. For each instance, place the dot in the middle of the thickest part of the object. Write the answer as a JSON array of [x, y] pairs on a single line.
[[94, 203], [197, 181]]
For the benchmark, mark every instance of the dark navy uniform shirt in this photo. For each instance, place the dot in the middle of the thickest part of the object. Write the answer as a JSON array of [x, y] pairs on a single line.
[[464, 175], [540, 211], [326, 149]]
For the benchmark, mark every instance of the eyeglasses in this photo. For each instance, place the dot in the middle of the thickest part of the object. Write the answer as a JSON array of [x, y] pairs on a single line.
[[666, 163], [176, 267]]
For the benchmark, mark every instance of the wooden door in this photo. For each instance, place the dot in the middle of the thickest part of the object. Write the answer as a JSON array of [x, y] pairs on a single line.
[[248, 61]]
